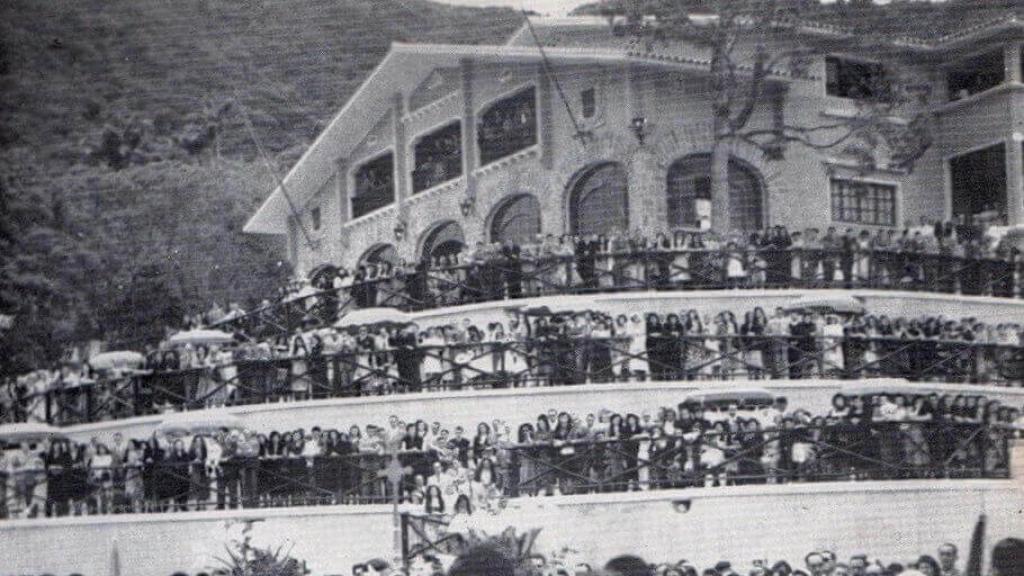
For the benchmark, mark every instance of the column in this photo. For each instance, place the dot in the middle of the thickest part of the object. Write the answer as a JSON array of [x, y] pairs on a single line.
[[293, 243], [469, 152], [344, 215], [1015, 174], [1012, 59], [401, 151], [1015, 154], [547, 136]]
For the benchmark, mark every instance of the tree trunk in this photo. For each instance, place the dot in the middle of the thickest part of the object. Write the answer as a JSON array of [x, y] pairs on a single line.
[[721, 221]]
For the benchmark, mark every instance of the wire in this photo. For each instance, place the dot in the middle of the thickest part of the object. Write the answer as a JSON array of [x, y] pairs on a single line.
[[581, 134], [270, 168]]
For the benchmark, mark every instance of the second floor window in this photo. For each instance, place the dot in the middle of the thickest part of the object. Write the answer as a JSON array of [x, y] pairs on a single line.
[[854, 79], [975, 75], [314, 216], [374, 185], [508, 126], [438, 157], [857, 202], [588, 102]]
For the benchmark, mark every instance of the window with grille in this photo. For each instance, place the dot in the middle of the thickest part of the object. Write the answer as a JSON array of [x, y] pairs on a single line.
[[856, 202]]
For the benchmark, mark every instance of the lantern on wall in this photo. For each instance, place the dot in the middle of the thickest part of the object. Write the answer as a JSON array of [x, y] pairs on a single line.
[[400, 230], [639, 125], [466, 206]]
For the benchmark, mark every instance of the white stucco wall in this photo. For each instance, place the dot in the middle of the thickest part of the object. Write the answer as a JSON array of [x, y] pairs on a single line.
[[895, 521]]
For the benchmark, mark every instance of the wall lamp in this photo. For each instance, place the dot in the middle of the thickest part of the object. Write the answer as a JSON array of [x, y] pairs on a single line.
[[639, 125], [467, 204], [400, 229]]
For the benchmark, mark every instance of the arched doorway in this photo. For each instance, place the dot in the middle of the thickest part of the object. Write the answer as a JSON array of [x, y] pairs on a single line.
[[516, 220], [379, 253], [688, 185], [322, 276], [599, 200], [443, 240]]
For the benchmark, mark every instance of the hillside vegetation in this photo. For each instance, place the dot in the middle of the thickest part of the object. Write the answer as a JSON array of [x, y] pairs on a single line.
[[126, 172]]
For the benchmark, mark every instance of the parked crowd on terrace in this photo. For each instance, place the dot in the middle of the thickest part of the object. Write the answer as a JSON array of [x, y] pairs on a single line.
[[537, 347], [941, 257], [449, 470]]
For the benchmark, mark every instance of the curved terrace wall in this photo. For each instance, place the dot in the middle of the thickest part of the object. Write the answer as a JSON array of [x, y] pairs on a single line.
[[742, 523], [469, 407]]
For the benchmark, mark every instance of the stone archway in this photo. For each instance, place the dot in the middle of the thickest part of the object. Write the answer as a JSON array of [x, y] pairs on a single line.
[[599, 200], [516, 220], [442, 240], [380, 253]]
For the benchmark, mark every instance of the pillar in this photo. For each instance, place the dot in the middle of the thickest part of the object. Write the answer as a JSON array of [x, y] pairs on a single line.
[[1012, 60], [469, 151], [344, 214], [545, 112], [1015, 153]]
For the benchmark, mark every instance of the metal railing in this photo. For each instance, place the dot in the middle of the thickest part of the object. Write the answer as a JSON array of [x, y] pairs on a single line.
[[500, 278], [841, 451], [545, 360]]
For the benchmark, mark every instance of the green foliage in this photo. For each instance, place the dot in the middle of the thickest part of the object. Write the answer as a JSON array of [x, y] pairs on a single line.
[[244, 559], [126, 173]]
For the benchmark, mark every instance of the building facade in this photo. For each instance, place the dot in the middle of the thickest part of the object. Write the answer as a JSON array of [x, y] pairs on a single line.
[[575, 130]]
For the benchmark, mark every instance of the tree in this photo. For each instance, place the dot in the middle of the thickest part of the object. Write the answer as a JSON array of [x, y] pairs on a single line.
[[750, 43]]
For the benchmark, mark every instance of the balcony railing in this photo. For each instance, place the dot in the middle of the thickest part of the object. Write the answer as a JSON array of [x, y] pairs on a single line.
[[546, 360], [580, 464], [496, 279]]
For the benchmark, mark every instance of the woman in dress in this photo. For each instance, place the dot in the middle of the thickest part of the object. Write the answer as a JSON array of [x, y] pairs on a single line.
[[681, 259], [832, 344], [432, 347], [199, 477], [298, 351], [656, 342], [673, 332], [175, 474], [133, 489], [544, 455], [525, 482], [753, 352]]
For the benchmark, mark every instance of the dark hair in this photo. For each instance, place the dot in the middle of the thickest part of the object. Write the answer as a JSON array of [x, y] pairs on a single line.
[[931, 562], [1008, 557], [483, 560], [629, 566]]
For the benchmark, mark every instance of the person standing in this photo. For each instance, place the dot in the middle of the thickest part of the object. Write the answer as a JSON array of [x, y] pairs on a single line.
[[947, 560]]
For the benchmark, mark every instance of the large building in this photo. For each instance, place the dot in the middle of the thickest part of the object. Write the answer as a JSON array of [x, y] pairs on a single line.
[[445, 145]]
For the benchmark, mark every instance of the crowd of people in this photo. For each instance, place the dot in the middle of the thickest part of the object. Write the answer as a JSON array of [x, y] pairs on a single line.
[[531, 347], [452, 470], [491, 559], [942, 257]]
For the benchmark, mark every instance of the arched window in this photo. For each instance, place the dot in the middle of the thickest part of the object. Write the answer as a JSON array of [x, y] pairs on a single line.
[[689, 183], [379, 253], [444, 240], [599, 201], [517, 220]]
